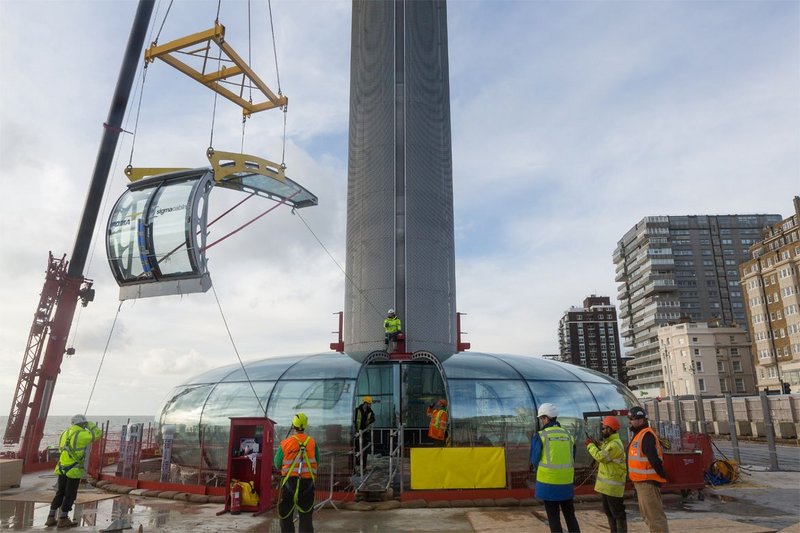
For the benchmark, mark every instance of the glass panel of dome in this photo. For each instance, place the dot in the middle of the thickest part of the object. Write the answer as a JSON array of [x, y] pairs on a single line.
[[183, 408], [377, 380], [213, 376], [612, 396], [225, 401], [587, 374], [327, 403], [334, 366], [535, 368], [470, 365], [266, 369], [491, 412]]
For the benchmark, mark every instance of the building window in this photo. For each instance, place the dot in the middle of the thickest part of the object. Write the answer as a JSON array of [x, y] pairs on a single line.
[[697, 351], [698, 365], [720, 366], [694, 339], [737, 366], [701, 384], [723, 384], [739, 384]]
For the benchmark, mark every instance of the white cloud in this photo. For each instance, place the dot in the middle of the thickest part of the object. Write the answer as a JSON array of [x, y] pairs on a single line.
[[571, 121]]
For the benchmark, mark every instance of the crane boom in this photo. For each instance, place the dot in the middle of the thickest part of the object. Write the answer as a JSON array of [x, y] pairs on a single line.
[[69, 286]]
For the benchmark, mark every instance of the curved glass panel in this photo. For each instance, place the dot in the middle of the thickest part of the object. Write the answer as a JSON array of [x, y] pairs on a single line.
[[491, 412], [271, 368], [535, 368], [225, 401], [171, 218], [183, 408], [612, 396], [213, 376], [324, 366], [588, 375], [292, 193], [469, 365], [125, 239], [327, 403]]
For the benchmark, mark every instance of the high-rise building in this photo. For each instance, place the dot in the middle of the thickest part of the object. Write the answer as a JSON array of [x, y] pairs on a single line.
[[772, 290], [588, 336], [674, 267], [706, 359]]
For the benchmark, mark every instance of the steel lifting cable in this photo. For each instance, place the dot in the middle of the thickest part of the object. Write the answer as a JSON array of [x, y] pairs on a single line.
[[348, 278], [236, 350], [278, 79], [249, 62], [102, 359]]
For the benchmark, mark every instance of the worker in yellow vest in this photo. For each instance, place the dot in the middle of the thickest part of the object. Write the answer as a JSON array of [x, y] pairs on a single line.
[[392, 327], [646, 470], [363, 417], [73, 443], [553, 458], [611, 474], [437, 430], [297, 457]]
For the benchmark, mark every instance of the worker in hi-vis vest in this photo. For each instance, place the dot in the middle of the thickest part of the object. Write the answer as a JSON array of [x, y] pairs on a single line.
[[611, 474], [363, 417], [297, 457], [73, 444], [553, 458], [392, 327], [646, 470], [437, 430]]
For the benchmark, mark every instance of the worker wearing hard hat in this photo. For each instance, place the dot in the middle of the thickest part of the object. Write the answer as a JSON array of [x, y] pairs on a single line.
[[73, 443], [437, 429], [297, 457], [646, 470], [611, 474], [392, 327], [553, 458], [363, 417]]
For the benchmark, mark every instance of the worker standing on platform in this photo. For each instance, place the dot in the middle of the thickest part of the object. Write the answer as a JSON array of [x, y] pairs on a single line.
[[553, 457], [364, 418], [611, 475], [297, 457], [646, 470], [437, 430], [392, 327], [73, 444]]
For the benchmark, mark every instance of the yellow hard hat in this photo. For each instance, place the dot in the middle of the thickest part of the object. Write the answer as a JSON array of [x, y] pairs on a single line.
[[367, 399], [300, 421]]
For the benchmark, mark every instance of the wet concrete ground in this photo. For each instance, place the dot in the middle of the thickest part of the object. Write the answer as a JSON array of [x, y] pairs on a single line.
[[766, 499]]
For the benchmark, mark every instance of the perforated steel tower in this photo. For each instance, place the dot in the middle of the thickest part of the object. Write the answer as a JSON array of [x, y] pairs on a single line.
[[400, 249]]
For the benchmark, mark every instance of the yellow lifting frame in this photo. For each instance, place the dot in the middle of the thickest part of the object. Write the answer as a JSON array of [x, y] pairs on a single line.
[[211, 80], [223, 163]]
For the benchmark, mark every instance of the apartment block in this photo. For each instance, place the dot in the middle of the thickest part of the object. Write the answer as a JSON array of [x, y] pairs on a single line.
[[671, 268], [588, 336], [705, 359], [772, 289]]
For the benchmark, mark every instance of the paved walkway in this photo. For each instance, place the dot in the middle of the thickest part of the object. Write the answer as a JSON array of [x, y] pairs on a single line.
[[763, 502]]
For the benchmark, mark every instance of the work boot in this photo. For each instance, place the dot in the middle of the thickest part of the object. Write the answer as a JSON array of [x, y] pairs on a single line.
[[64, 522], [51, 521]]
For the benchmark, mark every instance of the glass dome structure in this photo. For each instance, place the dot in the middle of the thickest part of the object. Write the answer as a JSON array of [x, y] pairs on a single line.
[[492, 400]]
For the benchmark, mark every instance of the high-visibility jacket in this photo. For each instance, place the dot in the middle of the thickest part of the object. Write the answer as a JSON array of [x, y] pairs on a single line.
[[296, 464], [365, 417], [392, 325], [556, 465], [611, 474], [438, 424], [73, 444], [639, 467]]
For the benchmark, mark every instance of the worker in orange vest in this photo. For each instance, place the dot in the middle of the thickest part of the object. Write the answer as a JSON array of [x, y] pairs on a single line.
[[297, 458], [646, 470], [438, 426]]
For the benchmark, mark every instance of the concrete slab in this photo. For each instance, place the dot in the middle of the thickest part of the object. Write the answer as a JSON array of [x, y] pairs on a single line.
[[47, 496]]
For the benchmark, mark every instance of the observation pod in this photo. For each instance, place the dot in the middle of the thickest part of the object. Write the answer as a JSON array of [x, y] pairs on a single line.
[[492, 399], [156, 234]]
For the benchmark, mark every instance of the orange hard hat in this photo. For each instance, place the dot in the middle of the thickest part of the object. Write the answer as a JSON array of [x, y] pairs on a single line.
[[611, 422], [443, 402]]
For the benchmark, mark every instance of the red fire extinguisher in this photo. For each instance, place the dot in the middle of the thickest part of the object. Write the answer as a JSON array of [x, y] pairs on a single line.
[[236, 498]]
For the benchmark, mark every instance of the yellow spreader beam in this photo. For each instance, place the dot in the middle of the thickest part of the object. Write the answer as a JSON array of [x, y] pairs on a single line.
[[234, 66]]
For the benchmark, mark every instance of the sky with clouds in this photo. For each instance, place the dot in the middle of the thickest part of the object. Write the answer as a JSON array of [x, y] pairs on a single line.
[[571, 121]]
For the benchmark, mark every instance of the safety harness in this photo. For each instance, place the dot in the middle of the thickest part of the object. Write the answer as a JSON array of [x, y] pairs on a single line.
[[302, 456], [70, 449]]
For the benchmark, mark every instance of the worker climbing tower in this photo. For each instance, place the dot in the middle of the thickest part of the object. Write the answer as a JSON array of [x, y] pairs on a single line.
[[400, 251]]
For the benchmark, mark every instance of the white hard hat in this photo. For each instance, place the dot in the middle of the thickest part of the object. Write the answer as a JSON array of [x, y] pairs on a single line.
[[78, 419], [390, 312], [548, 409]]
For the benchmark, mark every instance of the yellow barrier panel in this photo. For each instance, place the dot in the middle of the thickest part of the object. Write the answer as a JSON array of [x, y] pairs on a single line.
[[458, 468]]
